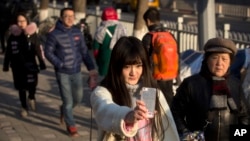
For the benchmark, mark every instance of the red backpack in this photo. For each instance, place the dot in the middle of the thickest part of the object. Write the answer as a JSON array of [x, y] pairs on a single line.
[[165, 56]]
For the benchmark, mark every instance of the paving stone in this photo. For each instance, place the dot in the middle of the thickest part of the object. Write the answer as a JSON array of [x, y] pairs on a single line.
[[43, 128], [10, 131], [5, 124], [2, 116], [36, 120], [6, 84], [47, 100], [19, 128], [43, 124], [53, 106], [14, 135], [31, 139], [7, 128], [83, 133], [49, 136], [16, 139]]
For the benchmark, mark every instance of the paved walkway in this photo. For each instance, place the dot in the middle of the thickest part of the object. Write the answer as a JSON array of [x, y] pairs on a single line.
[[43, 124]]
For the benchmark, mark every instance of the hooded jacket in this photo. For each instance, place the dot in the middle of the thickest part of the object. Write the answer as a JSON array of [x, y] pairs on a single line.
[[65, 48]]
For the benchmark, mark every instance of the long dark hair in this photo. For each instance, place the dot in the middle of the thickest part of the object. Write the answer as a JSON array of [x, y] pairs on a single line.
[[23, 14], [129, 51]]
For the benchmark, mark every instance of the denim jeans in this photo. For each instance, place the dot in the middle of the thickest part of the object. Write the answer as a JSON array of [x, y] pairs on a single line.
[[71, 91]]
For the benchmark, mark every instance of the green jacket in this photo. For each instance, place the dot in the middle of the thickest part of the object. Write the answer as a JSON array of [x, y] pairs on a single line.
[[104, 52]]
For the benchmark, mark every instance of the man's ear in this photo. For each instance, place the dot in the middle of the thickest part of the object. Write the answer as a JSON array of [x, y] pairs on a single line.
[[148, 22]]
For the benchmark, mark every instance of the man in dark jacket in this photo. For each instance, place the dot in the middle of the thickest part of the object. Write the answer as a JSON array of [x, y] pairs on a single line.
[[65, 48]]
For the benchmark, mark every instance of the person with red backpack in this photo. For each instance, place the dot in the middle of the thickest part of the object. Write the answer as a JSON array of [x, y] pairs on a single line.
[[163, 50]]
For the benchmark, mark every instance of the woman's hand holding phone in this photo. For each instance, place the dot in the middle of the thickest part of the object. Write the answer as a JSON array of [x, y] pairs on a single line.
[[139, 113]]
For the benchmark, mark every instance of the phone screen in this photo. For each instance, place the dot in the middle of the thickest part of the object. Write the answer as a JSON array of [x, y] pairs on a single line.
[[148, 95]]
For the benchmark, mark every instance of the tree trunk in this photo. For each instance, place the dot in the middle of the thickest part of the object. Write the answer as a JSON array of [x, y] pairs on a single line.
[[139, 25], [165, 3], [79, 7], [44, 10]]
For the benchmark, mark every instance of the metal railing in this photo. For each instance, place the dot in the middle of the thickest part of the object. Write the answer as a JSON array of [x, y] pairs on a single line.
[[186, 35], [221, 9]]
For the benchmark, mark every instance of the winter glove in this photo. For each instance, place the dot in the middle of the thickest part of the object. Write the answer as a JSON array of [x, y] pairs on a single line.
[[95, 52], [199, 135], [42, 65], [5, 69], [93, 78], [187, 136], [193, 136]]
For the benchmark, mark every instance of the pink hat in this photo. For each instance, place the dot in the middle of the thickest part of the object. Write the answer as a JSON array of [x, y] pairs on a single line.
[[109, 13]]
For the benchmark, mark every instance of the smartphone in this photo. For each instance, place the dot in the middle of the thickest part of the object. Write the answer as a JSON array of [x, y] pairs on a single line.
[[148, 95]]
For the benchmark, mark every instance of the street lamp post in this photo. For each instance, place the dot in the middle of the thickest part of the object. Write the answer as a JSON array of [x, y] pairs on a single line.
[[206, 21]]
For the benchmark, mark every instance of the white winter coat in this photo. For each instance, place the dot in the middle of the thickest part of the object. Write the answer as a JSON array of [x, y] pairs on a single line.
[[110, 117]]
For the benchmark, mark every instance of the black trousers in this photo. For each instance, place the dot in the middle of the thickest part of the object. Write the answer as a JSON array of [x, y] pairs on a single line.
[[167, 89], [23, 98]]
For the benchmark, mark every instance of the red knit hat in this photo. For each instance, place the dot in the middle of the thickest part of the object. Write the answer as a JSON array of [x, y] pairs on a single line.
[[109, 13]]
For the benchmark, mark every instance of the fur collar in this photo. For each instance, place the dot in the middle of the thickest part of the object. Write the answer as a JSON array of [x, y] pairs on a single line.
[[15, 30], [29, 30]]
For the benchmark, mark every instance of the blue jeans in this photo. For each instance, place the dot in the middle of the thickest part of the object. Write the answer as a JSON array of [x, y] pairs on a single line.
[[71, 91]]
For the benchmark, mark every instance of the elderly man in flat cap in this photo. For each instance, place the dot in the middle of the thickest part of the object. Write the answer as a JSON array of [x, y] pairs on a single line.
[[207, 103]]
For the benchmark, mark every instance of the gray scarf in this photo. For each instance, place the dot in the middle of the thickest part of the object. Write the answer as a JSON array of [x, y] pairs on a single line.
[[221, 96], [101, 32]]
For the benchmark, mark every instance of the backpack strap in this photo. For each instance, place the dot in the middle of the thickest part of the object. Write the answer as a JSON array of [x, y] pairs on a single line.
[[110, 30], [109, 33]]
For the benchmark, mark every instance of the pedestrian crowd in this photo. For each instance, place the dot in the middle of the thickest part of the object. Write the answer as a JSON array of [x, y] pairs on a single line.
[[131, 77]]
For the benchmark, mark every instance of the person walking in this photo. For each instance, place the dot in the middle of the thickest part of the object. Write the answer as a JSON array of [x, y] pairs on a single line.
[[7, 14], [207, 103], [85, 29], [65, 49], [23, 49], [163, 50], [109, 31], [119, 112]]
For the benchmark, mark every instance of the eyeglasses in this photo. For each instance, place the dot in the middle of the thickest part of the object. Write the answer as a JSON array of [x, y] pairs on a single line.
[[69, 16], [21, 21]]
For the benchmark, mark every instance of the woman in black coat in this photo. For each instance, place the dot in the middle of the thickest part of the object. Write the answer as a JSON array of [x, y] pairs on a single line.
[[23, 47], [208, 103]]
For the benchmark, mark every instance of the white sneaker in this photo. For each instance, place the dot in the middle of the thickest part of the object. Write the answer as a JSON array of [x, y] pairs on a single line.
[[24, 112], [32, 104]]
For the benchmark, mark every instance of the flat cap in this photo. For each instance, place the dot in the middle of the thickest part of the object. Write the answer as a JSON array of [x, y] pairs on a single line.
[[220, 45]]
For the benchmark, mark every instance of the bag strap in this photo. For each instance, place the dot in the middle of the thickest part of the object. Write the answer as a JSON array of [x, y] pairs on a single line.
[[109, 33], [110, 30]]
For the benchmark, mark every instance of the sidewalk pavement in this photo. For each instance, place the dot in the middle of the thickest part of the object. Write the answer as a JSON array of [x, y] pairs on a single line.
[[44, 123]]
